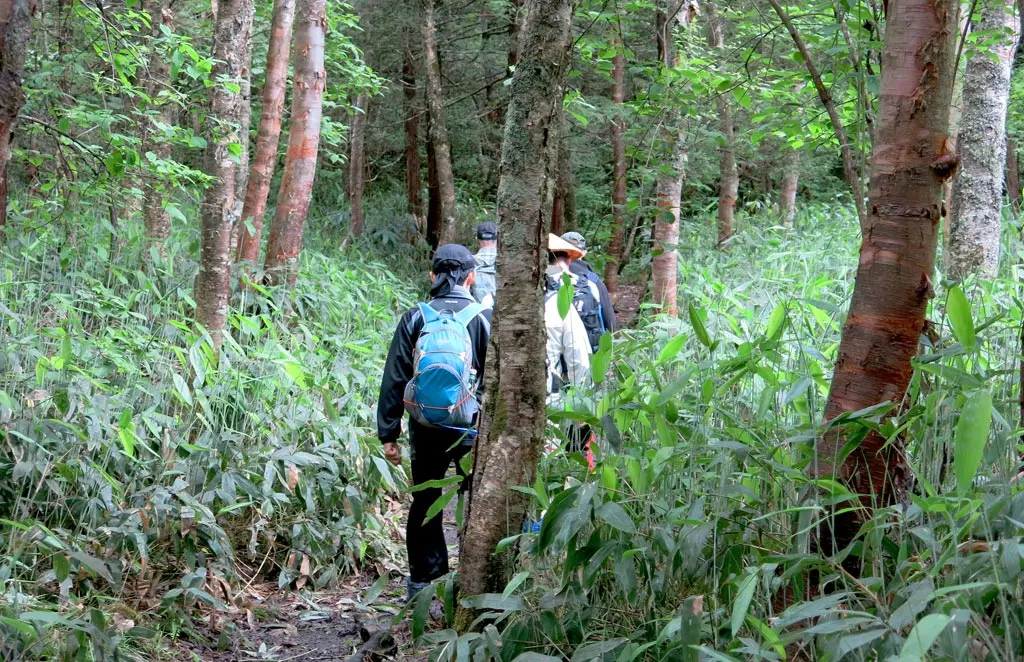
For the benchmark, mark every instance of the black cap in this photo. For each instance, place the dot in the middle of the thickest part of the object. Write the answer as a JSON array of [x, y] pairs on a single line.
[[451, 258], [487, 231]]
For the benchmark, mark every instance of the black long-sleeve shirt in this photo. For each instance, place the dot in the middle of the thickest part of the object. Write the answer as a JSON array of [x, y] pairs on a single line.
[[399, 369], [583, 270]]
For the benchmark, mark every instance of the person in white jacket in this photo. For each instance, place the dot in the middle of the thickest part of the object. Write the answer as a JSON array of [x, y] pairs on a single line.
[[568, 346]]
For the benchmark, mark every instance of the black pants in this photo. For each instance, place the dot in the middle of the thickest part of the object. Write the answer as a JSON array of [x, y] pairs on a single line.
[[433, 451]]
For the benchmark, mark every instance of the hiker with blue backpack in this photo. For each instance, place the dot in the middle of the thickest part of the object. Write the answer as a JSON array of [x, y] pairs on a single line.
[[434, 371]]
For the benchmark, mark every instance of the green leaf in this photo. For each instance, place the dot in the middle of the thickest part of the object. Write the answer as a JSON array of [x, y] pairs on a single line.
[[375, 590], [671, 348], [515, 583], [739, 608], [698, 326], [30, 632], [959, 313], [597, 650], [126, 432], [182, 388], [174, 212], [565, 295], [494, 601], [970, 437], [536, 657], [438, 483], [777, 323], [921, 638], [439, 504], [615, 516]]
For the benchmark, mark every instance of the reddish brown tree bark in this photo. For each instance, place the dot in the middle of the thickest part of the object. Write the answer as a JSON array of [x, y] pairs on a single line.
[[1013, 174], [438, 128], [310, 79], [269, 132], [357, 163], [509, 447], [728, 175], [157, 220], [611, 271], [897, 255], [213, 282], [413, 181], [15, 29]]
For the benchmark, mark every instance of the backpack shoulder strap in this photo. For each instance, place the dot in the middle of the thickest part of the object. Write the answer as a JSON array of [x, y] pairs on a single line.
[[428, 313], [466, 315]]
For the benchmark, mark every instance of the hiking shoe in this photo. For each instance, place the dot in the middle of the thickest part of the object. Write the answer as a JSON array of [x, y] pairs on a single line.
[[412, 588]]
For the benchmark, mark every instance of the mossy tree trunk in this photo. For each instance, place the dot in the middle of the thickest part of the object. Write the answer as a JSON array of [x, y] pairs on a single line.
[[512, 428], [15, 29], [438, 127]]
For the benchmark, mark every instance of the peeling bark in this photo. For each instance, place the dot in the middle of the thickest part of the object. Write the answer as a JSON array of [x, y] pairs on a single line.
[[438, 127], [508, 449], [157, 220], [267, 137], [728, 175], [357, 163], [309, 81], [213, 282], [413, 181], [611, 270], [15, 35], [976, 212], [897, 255]]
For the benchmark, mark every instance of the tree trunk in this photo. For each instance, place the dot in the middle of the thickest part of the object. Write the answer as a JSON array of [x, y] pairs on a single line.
[[611, 270], [513, 423], [668, 189], [357, 163], [310, 79], [897, 255], [728, 175], [213, 282], [433, 198], [157, 220], [438, 128], [787, 194], [15, 29], [243, 114], [413, 183], [265, 159], [560, 208], [1013, 175], [976, 212]]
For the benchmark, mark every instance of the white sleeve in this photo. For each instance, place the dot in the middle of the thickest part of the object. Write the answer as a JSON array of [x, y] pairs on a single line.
[[553, 328], [575, 348]]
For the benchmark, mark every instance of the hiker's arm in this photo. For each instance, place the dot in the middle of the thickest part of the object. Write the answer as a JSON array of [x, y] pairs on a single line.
[[397, 373]]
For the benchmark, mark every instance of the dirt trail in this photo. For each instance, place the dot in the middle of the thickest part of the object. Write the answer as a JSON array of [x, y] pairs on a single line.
[[316, 626]]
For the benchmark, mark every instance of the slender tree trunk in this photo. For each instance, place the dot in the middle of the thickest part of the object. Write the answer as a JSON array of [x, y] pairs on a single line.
[[438, 128], [265, 159], [413, 183], [976, 213], [787, 194], [156, 218], [897, 255], [560, 208], [668, 189], [611, 271], [845, 148], [955, 113], [1013, 175], [433, 198], [243, 113], [728, 175], [15, 30], [213, 282], [310, 79], [357, 163], [512, 428]]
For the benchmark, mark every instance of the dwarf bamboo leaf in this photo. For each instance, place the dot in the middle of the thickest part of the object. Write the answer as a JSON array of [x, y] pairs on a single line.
[[742, 603], [922, 637], [970, 437], [959, 312], [565, 294]]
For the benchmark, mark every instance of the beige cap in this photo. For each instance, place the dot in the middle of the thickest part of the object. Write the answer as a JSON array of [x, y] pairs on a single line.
[[558, 245]]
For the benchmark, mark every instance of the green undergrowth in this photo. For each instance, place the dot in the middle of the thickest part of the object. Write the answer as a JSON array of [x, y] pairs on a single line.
[[693, 537], [143, 480]]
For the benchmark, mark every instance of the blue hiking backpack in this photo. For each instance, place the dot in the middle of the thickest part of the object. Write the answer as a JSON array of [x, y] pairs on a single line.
[[442, 392]]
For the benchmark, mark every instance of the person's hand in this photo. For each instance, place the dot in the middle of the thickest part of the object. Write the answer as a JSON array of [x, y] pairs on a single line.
[[393, 453]]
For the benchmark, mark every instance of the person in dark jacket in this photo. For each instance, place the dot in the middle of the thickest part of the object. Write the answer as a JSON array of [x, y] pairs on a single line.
[[581, 268], [432, 450]]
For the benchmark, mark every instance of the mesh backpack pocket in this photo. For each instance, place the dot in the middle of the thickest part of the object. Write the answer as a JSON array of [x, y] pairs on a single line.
[[442, 391]]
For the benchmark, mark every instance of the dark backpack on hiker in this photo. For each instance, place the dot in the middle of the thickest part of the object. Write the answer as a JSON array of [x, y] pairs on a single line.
[[442, 392], [586, 300]]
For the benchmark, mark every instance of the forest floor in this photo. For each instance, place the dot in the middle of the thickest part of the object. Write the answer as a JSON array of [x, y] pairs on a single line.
[[319, 626]]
